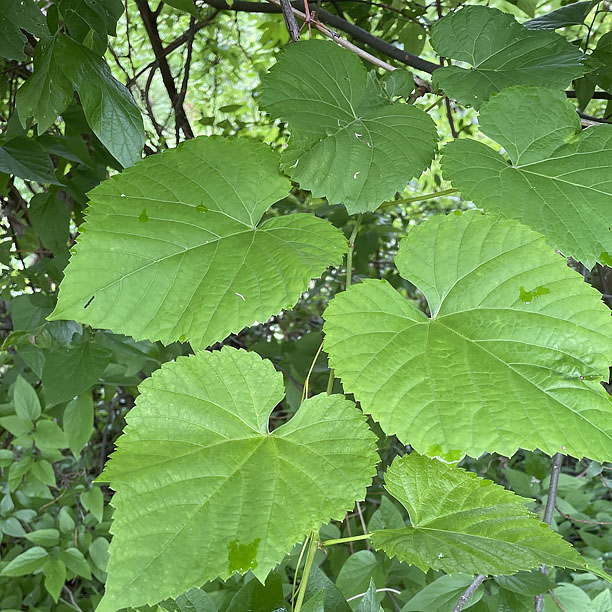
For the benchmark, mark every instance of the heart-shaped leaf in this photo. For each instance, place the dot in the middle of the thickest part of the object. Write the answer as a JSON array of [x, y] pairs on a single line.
[[349, 143], [511, 357], [464, 524], [559, 181], [500, 53], [174, 248], [204, 489]]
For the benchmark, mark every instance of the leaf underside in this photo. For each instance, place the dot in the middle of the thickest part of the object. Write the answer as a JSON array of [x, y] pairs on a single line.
[[174, 248], [203, 489], [559, 181], [511, 357], [349, 143]]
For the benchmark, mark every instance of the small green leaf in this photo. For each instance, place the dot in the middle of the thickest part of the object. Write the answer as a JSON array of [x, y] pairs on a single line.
[[357, 573], [93, 501], [6, 457], [501, 53], [26, 158], [49, 436], [183, 5], [78, 422], [442, 594], [43, 471], [526, 583], [570, 14], [55, 576], [26, 563], [257, 597], [462, 523], [348, 143], [197, 443], [12, 527], [44, 537], [369, 602], [66, 522], [76, 562], [27, 405]]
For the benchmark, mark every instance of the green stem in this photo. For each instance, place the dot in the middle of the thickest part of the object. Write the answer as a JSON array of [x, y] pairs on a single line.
[[434, 104], [349, 255], [297, 569], [307, 381], [365, 536], [312, 549], [330, 382], [420, 198]]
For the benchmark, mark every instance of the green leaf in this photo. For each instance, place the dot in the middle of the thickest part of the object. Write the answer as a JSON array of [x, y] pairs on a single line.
[[55, 576], [348, 143], [108, 105], [399, 83], [369, 602], [15, 16], [571, 597], [183, 5], [257, 597], [557, 179], [65, 520], [26, 563], [570, 14], [93, 501], [27, 405], [511, 357], [47, 92], [386, 516], [193, 600], [462, 523], [43, 471], [357, 573], [76, 562], [197, 450], [44, 537], [442, 594], [51, 220], [198, 264], [98, 551], [99, 15], [49, 436], [25, 157], [78, 422], [603, 53], [69, 371], [6, 457], [526, 583], [12, 527], [501, 53]]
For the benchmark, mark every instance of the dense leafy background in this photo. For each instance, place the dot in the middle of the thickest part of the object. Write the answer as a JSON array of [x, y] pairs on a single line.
[[80, 101]]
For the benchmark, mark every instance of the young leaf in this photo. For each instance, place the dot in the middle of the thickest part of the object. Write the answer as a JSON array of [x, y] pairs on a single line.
[[558, 180], [203, 489], [369, 602], [93, 501], [511, 357], [109, 108], [78, 422], [55, 576], [501, 53], [27, 404], [464, 524], [348, 142], [174, 248]]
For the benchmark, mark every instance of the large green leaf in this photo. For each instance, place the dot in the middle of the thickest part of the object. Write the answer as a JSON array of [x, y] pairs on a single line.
[[511, 357], [26, 158], [559, 181], [174, 248], [17, 15], [348, 142], [464, 524], [500, 53], [47, 92], [204, 489], [109, 108]]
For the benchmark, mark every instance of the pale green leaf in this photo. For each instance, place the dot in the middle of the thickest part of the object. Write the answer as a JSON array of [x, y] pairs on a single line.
[[75, 561], [47, 92], [348, 142], [511, 356], [442, 594], [464, 524], [559, 179], [203, 489], [27, 405], [44, 537], [26, 563], [98, 552], [93, 501], [42, 470], [49, 436], [174, 248], [78, 422], [109, 108], [500, 53], [55, 576]]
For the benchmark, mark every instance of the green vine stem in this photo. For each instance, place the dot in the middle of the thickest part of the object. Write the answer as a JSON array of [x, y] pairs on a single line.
[[310, 555], [420, 198], [365, 536]]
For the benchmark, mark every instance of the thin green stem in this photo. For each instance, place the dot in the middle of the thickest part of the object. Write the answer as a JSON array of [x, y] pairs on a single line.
[[365, 536], [330, 382], [297, 569], [420, 198], [434, 104], [349, 255], [312, 550]]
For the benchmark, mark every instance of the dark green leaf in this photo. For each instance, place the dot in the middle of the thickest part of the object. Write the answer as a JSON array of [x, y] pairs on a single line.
[[26, 158], [570, 14]]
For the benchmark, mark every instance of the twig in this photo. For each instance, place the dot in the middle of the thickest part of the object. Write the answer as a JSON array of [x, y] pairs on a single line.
[[575, 520], [469, 592], [363, 525], [290, 21], [556, 601], [183, 92], [72, 602], [551, 502]]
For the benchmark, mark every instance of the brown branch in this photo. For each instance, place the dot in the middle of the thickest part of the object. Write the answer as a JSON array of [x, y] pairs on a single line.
[[150, 23], [467, 594], [183, 92], [575, 520]]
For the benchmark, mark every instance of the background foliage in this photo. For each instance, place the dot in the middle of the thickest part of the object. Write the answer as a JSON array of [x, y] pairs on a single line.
[[85, 88]]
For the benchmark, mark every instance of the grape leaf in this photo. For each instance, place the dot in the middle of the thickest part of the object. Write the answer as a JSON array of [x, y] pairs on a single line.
[[558, 181], [511, 357], [17, 15], [173, 249], [109, 108], [501, 53], [203, 489], [348, 142], [464, 524]]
